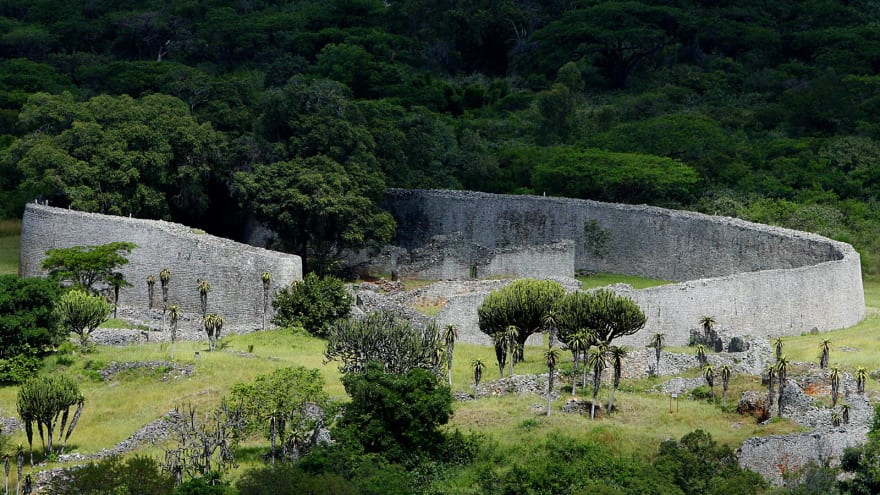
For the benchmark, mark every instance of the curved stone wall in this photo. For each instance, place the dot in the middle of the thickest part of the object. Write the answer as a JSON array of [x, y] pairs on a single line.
[[755, 279], [234, 270]]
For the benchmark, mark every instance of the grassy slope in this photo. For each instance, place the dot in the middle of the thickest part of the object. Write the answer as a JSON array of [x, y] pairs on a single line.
[[9, 247], [117, 409]]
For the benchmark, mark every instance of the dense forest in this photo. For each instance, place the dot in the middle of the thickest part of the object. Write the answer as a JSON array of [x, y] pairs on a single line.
[[303, 112]]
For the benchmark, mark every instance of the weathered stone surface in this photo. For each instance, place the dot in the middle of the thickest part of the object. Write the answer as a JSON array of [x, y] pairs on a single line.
[[756, 279], [754, 404], [234, 270], [737, 344]]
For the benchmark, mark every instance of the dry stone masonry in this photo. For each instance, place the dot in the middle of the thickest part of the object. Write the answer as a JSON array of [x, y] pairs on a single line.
[[755, 279], [234, 270]]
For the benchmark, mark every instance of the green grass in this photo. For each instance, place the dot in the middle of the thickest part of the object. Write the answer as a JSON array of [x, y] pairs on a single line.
[[117, 323], [603, 279], [9, 249]]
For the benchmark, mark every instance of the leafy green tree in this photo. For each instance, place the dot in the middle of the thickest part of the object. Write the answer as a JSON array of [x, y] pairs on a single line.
[[318, 207], [277, 405], [523, 303], [698, 465], [146, 157], [135, 475], [43, 401], [82, 313], [29, 323], [603, 312], [90, 265], [385, 338], [607, 176], [315, 303], [398, 415]]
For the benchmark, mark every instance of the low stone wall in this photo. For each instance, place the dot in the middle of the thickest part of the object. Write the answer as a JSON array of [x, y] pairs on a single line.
[[234, 270]]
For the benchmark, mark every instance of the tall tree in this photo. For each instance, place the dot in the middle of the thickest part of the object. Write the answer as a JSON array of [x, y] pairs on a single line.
[[782, 366], [834, 376], [523, 303], [616, 354], [174, 316], [450, 334], [551, 357], [725, 373], [579, 344], [861, 376], [90, 265], [318, 207], [43, 401], [597, 361], [151, 290], [478, 367], [29, 321], [602, 311], [657, 341], [825, 350], [709, 376]]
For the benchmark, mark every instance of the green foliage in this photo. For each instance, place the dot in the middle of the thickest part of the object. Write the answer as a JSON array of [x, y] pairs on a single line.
[[396, 415], [82, 313], [19, 368], [523, 303], [137, 475], [43, 401], [384, 338], [28, 322], [318, 207], [698, 465], [608, 176], [314, 303], [276, 406], [87, 266], [602, 313]]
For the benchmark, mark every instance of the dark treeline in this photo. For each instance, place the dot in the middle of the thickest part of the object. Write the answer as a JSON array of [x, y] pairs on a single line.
[[763, 110]]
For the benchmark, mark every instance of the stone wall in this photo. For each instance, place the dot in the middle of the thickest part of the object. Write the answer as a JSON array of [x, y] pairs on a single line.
[[756, 279], [452, 257], [234, 270]]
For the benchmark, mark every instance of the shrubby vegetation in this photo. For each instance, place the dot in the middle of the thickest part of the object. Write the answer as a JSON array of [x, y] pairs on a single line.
[[29, 325], [315, 303]]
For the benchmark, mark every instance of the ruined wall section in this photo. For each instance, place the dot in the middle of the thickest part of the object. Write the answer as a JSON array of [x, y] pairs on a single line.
[[755, 279], [643, 240], [234, 270]]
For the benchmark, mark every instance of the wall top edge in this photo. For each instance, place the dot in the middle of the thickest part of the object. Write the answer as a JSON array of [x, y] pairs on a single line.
[[171, 228], [845, 250]]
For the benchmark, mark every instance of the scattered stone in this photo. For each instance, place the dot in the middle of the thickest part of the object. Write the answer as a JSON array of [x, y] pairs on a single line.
[[167, 369], [582, 407], [679, 385], [754, 404]]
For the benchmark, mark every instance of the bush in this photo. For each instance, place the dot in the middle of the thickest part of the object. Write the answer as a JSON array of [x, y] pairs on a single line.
[[397, 416], [315, 303], [28, 322], [18, 369], [138, 475]]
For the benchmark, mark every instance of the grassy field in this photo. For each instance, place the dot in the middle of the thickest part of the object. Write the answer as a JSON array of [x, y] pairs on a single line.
[[603, 279], [10, 236], [116, 409]]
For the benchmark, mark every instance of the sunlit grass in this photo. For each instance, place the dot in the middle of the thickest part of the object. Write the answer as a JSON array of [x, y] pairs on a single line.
[[9, 249], [603, 279]]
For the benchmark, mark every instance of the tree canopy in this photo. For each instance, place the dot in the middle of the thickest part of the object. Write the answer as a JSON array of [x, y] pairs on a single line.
[[86, 266]]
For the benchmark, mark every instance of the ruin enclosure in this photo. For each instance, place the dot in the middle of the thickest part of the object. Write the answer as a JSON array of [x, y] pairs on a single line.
[[754, 279], [233, 270]]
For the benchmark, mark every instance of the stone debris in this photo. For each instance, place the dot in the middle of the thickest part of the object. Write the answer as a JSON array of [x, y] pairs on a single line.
[[167, 369]]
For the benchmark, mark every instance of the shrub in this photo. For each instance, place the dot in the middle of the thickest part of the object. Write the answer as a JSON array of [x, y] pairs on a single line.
[[138, 475], [28, 321], [18, 369], [315, 303]]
